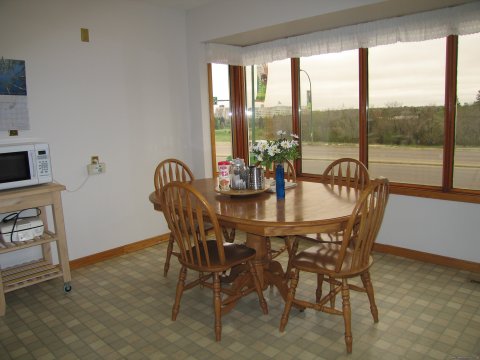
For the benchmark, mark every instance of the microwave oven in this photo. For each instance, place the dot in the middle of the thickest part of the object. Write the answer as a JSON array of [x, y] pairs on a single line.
[[24, 165]]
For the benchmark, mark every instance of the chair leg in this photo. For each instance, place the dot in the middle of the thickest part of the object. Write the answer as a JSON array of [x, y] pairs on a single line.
[[268, 248], [293, 251], [289, 302], [169, 255], [367, 283], [318, 292], [288, 244], [180, 286], [332, 291], [258, 288], [217, 303], [347, 315]]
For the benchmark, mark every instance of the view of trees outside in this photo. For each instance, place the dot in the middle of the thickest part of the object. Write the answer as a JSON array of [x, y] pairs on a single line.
[[407, 122], [329, 97], [405, 114]]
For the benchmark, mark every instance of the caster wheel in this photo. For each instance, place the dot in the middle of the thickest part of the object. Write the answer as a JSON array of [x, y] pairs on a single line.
[[67, 287]]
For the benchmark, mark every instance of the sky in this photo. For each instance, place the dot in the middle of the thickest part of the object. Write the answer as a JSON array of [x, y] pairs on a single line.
[[408, 74]]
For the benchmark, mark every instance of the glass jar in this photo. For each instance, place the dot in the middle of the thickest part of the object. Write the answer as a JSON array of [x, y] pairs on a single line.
[[238, 174]]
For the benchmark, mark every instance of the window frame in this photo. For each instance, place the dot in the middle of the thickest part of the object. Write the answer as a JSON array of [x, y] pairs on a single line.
[[445, 192]]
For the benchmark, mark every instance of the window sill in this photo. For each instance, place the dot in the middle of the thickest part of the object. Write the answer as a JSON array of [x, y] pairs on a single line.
[[431, 192]]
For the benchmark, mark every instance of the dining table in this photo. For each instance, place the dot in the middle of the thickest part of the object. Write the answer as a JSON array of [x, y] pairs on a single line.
[[308, 208]]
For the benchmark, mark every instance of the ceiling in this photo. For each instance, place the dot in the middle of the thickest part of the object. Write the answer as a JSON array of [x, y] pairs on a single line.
[[361, 14], [382, 10]]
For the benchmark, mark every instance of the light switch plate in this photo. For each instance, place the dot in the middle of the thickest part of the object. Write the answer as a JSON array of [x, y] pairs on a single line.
[[84, 35]]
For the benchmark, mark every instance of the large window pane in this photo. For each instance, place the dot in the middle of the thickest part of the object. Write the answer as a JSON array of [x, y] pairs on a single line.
[[466, 172], [329, 109], [269, 100], [406, 113], [222, 113]]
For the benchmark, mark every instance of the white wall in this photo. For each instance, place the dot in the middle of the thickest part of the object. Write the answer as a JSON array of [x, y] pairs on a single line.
[[122, 96], [435, 226], [440, 227]]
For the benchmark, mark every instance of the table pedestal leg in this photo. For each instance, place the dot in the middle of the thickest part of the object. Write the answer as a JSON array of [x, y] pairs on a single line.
[[269, 272], [258, 243]]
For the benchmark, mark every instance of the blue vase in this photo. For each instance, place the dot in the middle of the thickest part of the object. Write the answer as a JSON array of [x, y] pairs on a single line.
[[280, 181]]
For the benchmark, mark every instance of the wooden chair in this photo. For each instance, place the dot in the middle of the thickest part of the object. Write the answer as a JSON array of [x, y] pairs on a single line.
[[188, 215], [176, 170], [336, 263], [167, 171], [347, 172]]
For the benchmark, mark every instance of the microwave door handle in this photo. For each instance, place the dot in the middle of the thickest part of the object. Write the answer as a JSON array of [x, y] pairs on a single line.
[[31, 155]]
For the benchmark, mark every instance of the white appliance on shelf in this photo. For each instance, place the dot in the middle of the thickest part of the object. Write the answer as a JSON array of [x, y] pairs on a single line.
[[23, 230], [24, 165]]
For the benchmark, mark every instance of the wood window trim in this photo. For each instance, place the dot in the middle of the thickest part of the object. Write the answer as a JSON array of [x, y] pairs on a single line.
[[363, 105], [450, 112], [424, 191], [212, 120], [238, 106], [296, 129], [471, 196]]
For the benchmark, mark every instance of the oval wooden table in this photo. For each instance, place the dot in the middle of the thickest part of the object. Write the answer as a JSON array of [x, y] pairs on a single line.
[[308, 208]]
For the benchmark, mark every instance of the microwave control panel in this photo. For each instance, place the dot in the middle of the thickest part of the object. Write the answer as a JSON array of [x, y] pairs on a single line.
[[43, 161]]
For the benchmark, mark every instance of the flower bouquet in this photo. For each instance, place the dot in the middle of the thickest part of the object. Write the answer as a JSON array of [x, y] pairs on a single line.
[[277, 152]]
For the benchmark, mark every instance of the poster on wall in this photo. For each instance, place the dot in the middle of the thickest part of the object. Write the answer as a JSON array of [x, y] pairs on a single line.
[[13, 95]]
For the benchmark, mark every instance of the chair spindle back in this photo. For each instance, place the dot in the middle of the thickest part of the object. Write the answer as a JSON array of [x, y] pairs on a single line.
[[364, 224], [349, 172], [171, 170], [190, 218]]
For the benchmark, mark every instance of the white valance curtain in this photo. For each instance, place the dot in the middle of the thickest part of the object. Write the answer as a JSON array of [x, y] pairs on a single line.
[[458, 20]]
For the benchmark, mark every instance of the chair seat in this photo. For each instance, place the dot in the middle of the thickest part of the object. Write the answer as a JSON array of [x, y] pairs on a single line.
[[322, 259], [234, 254]]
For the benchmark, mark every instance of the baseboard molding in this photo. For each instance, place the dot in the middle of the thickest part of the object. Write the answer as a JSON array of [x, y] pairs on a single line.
[[382, 248], [122, 250], [429, 258]]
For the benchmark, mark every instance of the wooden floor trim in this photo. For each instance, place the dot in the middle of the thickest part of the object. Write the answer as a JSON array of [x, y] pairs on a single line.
[[122, 250], [427, 257], [388, 249]]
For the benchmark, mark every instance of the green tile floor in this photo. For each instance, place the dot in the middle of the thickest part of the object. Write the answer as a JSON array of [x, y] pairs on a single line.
[[120, 309]]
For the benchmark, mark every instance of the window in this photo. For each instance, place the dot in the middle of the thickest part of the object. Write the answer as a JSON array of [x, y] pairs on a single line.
[[392, 107], [328, 109], [466, 174], [268, 99], [221, 113], [406, 95]]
